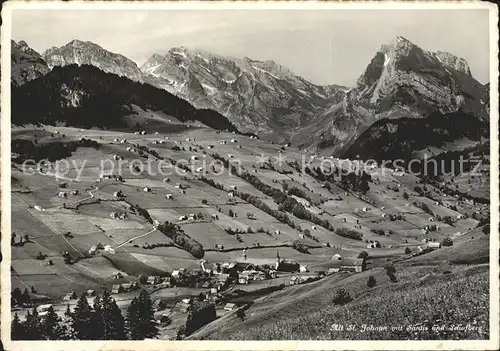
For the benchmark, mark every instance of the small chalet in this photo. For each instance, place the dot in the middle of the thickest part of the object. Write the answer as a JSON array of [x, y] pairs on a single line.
[[243, 279], [153, 280], [229, 306], [92, 250], [158, 305], [117, 289], [346, 265], [127, 287], [165, 284], [69, 296], [43, 309], [222, 277], [352, 265], [434, 245]]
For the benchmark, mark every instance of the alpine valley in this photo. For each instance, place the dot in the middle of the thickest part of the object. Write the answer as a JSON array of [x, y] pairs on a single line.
[[408, 100]]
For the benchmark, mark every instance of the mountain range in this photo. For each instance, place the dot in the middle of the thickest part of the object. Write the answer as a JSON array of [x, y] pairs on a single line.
[[406, 99], [27, 64]]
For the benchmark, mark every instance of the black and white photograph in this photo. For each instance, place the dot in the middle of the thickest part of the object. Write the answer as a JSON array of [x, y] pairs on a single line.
[[302, 174]]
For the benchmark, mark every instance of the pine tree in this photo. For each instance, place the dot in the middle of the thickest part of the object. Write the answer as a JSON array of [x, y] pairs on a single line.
[[67, 313], [82, 319], [140, 320], [32, 326], [17, 331], [16, 296], [132, 319], [114, 324], [68, 332], [371, 281], [26, 298], [97, 320], [342, 297], [51, 326]]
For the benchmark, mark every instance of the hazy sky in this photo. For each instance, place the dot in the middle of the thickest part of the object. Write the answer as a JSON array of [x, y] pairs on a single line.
[[326, 47]]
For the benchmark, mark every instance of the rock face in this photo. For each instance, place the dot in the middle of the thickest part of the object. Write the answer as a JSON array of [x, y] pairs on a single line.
[[404, 86], [404, 70], [257, 96], [405, 96], [87, 53], [27, 64]]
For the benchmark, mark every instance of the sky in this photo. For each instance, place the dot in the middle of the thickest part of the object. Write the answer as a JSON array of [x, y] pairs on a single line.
[[325, 47]]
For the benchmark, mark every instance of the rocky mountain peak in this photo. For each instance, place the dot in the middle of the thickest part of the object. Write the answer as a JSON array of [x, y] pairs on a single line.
[[24, 47], [26, 63], [404, 69], [454, 62], [88, 53], [263, 97]]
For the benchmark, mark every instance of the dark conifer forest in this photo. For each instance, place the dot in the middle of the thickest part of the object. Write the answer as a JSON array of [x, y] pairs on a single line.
[[85, 96]]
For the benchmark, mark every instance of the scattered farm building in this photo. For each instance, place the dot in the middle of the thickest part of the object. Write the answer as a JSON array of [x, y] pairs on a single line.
[[93, 250], [70, 296], [243, 279], [229, 306], [153, 280], [178, 272], [166, 283], [434, 245], [43, 309], [346, 265]]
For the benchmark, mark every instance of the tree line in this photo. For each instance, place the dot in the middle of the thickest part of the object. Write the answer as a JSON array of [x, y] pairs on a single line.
[[85, 96], [286, 203], [101, 321]]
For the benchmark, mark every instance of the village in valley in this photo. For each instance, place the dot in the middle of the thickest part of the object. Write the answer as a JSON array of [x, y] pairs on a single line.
[[232, 222]]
